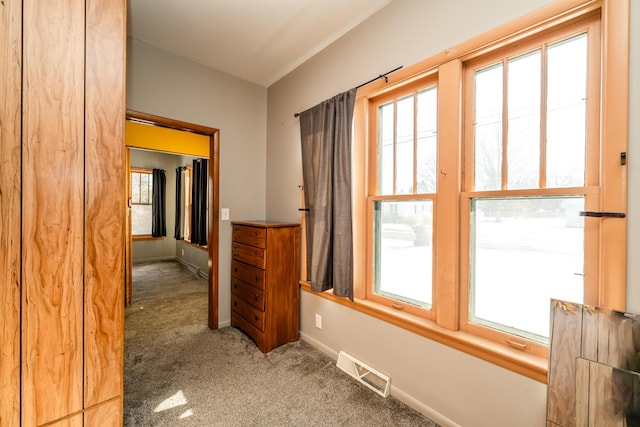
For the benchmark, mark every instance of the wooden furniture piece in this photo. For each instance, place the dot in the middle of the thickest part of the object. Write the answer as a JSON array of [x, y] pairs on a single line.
[[264, 281], [62, 207]]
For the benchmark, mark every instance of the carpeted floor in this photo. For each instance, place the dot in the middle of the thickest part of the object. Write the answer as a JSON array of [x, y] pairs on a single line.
[[179, 373]]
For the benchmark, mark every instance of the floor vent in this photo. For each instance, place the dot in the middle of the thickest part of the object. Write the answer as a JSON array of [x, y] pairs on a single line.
[[362, 372]]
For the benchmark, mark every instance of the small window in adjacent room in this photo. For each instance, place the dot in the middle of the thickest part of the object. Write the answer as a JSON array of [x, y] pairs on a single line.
[[141, 197]]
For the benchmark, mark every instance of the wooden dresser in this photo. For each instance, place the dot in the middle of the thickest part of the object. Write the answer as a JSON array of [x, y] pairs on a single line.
[[265, 270]]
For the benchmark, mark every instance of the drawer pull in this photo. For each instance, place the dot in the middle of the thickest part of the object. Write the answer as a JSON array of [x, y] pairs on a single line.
[[257, 278], [255, 316], [235, 269], [256, 233], [235, 286], [256, 297], [235, 303], [256, 243]]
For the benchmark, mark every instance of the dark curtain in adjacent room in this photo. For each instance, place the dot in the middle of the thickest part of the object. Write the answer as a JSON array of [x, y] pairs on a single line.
[[179, 229], [199, 202], [325, 132], [158, 204]]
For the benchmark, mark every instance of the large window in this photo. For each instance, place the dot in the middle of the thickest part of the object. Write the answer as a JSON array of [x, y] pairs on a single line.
[[531, 159], [471, 173], [403, 193]]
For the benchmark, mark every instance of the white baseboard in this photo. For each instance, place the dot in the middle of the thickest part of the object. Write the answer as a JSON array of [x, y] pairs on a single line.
[[399, 394], [224, 324], [193, 268]]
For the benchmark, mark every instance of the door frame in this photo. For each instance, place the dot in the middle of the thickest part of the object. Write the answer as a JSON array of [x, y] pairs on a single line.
[[213, 193]]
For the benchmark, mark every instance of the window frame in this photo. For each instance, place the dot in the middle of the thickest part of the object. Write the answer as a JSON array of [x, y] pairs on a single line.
[[445, 328], [424, 83], [589, 24], [146, 171]]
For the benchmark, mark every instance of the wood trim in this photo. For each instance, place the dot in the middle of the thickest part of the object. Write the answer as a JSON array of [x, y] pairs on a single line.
[[170, 123], [10, 211], [214, 226], [104, 205], [128, 237], [615, 127], [213, 198], [359, 208], [52, 221], [449, 173], [531, 366], [144, 237]]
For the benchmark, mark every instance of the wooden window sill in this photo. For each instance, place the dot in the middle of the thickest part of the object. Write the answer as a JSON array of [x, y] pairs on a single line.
[[531, 366], [144, 237]]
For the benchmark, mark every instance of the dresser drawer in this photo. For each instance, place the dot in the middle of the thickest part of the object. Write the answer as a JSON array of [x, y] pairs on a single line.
[[247, 273], [252, 236], [249, 313], [249, 254], [250, 294]]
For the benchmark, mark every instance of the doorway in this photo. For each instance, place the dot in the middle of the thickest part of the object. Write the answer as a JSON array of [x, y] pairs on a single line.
[[212, 200]]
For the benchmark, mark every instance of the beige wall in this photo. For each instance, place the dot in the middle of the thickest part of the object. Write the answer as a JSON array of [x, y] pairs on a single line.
[[451, 386], [169, 86], [633, 230]]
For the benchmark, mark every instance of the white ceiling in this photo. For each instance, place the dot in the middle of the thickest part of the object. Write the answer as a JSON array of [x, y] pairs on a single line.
[[256, 40]]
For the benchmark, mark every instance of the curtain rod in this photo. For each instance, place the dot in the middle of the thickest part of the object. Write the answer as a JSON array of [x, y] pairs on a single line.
[[381, 76]]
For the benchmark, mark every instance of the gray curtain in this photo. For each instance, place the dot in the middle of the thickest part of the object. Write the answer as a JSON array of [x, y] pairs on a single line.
[[158, 204], [325, 132], [199, 202]]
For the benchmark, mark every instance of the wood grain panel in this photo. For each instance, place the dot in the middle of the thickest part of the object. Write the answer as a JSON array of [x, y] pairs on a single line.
[[108, 414], [71, 421], [566, 327], [10, 109], [53, 209], [104, 198], [606, 396], [582, 392]]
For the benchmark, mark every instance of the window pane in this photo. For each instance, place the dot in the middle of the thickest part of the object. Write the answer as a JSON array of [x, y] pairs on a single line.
[[524, 251], [427, 139], [145, 188], [566, 110], [404, 136], [488, 128], [523, 145], [403, 250], [135, 187], [385, 150], [141, 219]]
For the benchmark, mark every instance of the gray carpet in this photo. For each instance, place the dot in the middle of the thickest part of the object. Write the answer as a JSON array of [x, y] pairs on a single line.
[[179, 373]]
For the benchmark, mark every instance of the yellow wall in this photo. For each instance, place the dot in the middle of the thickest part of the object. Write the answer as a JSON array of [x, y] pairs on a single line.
[[140, 135]]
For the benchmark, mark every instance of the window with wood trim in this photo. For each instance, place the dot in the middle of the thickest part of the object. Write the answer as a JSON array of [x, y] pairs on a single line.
[[532, 156], [141, 199], [402, 194], [527, 130]]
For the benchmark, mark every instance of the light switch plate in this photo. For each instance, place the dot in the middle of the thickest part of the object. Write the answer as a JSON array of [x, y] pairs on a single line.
[[224, 214]]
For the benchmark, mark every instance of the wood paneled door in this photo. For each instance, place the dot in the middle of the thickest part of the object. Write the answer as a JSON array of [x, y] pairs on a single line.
[[62, 206]]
